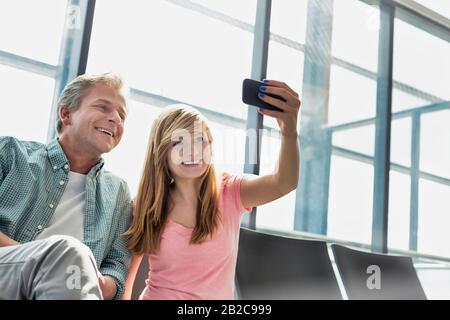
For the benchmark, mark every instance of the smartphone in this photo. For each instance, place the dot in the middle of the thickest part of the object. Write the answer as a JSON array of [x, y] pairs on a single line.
[[250, 91]]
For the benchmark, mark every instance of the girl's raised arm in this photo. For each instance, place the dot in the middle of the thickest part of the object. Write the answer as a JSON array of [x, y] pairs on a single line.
[[258, 190]]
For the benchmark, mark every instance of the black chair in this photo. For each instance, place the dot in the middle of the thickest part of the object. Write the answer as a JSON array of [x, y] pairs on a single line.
[[373, 276], [275, 267], [141, 276]]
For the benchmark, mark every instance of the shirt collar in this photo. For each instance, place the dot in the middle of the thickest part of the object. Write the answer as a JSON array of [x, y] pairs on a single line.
[[58, 159]]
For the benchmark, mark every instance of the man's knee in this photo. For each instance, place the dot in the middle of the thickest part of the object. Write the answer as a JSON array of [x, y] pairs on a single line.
[[69, 245], [70, 251], [71, 265], [58, 267]]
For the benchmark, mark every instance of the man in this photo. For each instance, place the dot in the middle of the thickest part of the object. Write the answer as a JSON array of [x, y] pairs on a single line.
[[62, 216]]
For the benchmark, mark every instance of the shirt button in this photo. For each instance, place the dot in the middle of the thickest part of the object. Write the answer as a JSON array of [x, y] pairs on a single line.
[[61, 183], [51, 205], [55, 167], [66, 166], [39, 227]]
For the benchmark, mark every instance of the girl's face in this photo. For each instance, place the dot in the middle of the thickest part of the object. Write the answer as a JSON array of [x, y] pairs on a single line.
[[189, 155]]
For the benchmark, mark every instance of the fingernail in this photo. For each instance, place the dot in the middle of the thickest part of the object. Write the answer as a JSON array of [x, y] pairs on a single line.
[[261, 95], [262, 88], [265, 81]]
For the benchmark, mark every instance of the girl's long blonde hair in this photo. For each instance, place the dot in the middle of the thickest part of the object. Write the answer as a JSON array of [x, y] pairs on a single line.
[[152, 201]]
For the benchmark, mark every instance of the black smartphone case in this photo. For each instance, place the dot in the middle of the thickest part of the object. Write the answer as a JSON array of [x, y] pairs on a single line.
[[250, 91]]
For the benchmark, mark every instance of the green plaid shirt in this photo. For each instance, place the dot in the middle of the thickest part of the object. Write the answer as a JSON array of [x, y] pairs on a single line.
[[31, 188]]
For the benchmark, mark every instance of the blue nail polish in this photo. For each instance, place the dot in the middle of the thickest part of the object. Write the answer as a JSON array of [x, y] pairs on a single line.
[[261, 95], [262, 88], [265, 81]]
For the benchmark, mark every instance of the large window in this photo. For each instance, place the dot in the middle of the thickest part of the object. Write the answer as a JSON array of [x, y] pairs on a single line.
[[339, 86], [338, 131]]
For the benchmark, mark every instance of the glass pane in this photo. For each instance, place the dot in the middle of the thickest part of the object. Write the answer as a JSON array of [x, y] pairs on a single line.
[[25, 104], [32, 28], [401, 141], [350, 200], [420, 62], [435, 143], [284, 64], [434, 279], [278, 214], [127, 159], [402, 100], [359, 140], [228, 148], [399, 208], [352, 96], [440, 6], [434, 219], [169, 50], [355, 35], [288, 19]]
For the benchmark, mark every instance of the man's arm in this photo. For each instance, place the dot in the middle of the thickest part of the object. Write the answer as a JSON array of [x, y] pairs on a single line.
[[5, 156], [4, 165], [108, 287], [114, 267], [6, 241]]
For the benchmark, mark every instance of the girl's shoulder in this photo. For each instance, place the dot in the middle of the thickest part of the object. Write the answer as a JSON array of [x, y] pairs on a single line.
[[230, 193], [228, 180]]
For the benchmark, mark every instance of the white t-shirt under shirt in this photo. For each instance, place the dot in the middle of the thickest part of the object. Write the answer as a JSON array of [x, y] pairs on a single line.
[[68, 217]]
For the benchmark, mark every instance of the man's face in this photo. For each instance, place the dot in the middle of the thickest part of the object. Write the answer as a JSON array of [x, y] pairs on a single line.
[[97, 125]]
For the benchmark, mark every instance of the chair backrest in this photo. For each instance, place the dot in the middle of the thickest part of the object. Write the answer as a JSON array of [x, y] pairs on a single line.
[[373, 276], [141, 276], [276, 267]]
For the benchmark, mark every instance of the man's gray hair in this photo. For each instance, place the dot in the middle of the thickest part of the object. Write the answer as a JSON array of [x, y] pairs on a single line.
[[73, 92]]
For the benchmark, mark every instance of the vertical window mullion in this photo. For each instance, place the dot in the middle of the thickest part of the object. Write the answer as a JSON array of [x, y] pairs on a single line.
[[254, 118], [73, 52], [383, 129], [311, 204], [415, 173]]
